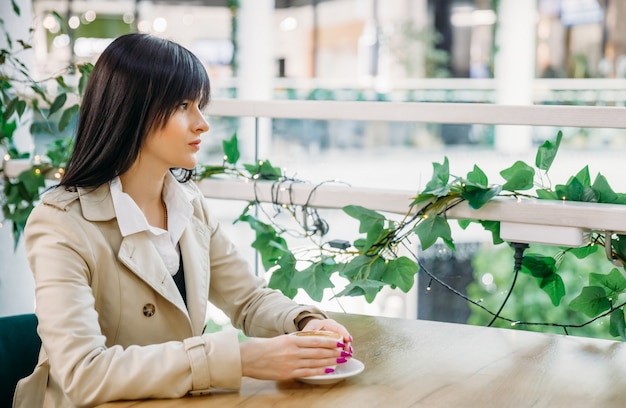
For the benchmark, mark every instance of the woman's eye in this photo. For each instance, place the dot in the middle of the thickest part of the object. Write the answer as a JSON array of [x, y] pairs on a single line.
[[184, 105]]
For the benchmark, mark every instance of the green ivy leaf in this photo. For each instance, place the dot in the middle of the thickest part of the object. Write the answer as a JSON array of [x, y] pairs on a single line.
[[263, 170], [621, 199], [400, 273], [368, 219], [59, 151], [315, 278], [270, 245], [477, 196], [58, 103], [603, 191], [478, 177], [283, 275], [520, 176], [32, 180], [67, 116], [539, 266], [16, 8], [431, 228], [354, 269], [555, 288], [61, 82], [376, 269], [617, 327], [85, 72], [584, 177], [572, 191], [424, 199], [614, 282], [545, 194], [362, 287], [463, 223], [547, 152], [438, 185], [39, 91], [20, 108], [494, 228], [583, 252], [619, 246], [592, 301], [231, 149], [10, 109]]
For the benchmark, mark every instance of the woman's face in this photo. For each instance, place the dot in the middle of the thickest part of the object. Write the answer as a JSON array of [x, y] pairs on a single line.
[[175, 145]]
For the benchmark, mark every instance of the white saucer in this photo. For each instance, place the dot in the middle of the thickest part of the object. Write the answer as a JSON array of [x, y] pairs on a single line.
[[343, 371]]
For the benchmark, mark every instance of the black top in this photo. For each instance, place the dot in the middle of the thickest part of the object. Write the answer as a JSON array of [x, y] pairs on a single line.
[[179, 279]]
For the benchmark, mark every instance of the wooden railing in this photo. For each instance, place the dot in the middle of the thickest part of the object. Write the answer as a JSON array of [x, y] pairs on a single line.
[[563, 223]]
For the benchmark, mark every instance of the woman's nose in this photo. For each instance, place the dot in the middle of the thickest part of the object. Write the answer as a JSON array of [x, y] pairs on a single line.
[[203, 125]]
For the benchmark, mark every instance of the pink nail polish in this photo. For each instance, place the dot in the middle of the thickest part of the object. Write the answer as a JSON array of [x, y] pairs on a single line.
[[345, 354], [340, 344], [350, 339], [342, 360], [329, 370]]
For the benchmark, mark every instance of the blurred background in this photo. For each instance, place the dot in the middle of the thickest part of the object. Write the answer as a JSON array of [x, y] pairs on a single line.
[[519, 52]]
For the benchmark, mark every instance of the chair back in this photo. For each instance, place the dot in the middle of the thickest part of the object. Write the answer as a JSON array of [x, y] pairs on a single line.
[[19, 351]]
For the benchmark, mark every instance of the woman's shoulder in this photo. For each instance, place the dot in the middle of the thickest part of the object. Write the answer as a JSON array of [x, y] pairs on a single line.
[[59, 196]]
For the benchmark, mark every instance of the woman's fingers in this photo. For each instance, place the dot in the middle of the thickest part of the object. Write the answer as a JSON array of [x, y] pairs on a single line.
[[332, 325], [290, 356]]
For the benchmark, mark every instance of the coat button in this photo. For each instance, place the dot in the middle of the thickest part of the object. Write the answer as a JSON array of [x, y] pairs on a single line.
[[149, 309]]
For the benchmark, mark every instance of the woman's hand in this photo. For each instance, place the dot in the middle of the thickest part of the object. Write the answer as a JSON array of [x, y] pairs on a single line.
[[331, 325], [284, 357]]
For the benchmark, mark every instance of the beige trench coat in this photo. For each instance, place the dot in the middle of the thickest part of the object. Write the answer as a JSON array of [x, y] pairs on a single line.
[[112, 322]]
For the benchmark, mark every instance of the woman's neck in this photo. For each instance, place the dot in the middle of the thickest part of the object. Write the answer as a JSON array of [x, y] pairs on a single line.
[[146, 189]]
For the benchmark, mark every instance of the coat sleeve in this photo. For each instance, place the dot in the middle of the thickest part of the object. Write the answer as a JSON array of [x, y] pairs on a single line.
[[253, 307], [83, 369]]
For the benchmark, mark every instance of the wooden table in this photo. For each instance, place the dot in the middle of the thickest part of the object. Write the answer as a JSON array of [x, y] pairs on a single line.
[[417, 363]]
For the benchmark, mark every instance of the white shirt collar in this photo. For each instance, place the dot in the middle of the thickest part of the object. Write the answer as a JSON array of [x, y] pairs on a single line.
[[131, 219]]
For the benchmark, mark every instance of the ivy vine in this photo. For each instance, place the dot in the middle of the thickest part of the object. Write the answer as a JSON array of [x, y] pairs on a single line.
[[373, 261]]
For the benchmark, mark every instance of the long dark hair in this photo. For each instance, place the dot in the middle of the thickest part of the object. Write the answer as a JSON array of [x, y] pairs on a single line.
[[135, 86]]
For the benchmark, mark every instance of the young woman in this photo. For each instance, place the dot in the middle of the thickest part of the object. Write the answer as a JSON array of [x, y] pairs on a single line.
[[125, 254]]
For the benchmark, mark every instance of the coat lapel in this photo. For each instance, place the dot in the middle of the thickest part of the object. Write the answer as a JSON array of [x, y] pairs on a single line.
[[136, 252], [142, 258]]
